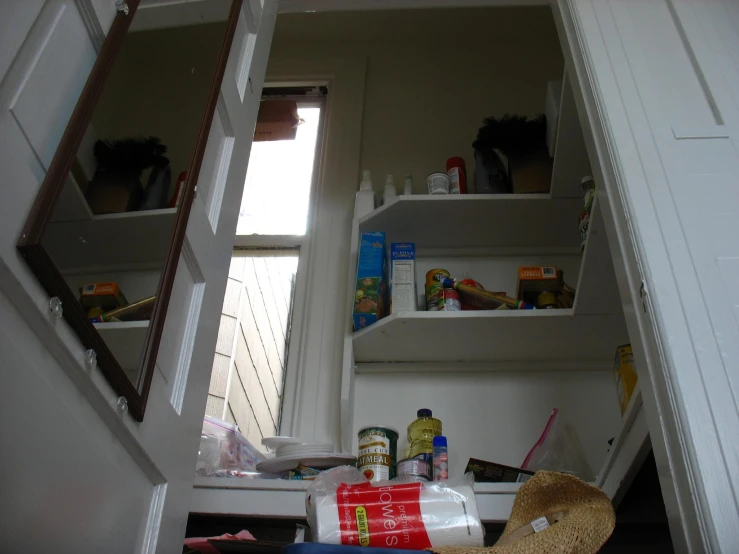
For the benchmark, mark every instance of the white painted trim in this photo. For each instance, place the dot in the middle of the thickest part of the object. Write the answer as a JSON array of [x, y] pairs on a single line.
[[293, 6], [311, 402], [286, 499], [267, 241]]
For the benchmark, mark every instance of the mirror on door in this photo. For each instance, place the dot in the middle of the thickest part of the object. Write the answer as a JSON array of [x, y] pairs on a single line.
[[105, 235]]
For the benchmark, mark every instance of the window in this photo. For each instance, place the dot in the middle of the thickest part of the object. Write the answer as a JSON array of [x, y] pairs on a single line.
[[250, 362]]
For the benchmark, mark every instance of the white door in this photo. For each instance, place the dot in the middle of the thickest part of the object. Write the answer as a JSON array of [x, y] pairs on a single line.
[[77, 476]]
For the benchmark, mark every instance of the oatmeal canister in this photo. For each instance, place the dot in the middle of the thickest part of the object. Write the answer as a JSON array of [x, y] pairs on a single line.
[[378, 452]]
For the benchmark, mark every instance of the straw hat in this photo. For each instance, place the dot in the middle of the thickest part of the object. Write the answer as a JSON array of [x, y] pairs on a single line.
[[553, 513]]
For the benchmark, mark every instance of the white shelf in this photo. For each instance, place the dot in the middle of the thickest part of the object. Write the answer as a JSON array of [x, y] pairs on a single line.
[[125, 339], [597, 289], [554, 336], [629, 449], [571, 161], [286, 499], [478, 221], [111, 240]]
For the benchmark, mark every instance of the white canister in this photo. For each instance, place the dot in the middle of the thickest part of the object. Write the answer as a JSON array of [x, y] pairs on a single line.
[[438, 183]]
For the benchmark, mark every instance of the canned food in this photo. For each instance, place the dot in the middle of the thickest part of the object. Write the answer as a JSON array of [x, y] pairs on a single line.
[[378, 447], [438, 183], [418, 470], [450, 301], [434, 288]]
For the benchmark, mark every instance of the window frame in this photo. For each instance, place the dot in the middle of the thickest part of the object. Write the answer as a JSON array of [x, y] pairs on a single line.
[[244, 244]]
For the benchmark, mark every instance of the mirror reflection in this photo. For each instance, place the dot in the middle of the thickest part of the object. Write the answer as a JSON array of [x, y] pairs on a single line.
[[111, 229]]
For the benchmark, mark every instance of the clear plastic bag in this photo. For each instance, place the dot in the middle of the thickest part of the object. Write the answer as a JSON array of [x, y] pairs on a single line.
[[224, 451], [343, 507], [558, 450]]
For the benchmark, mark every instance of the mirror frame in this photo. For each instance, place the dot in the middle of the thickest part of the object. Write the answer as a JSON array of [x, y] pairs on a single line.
[[41, 264]]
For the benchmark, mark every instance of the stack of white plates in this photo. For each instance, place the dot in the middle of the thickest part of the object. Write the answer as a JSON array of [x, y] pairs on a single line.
[[292, 452]]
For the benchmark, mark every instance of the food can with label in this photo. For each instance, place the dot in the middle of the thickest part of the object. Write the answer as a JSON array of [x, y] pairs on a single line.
[[450, 301], [438, 183], [378, 448], [434, 288], [415, 468]]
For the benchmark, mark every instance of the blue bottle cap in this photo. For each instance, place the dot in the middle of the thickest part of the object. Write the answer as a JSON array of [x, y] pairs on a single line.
[[423, 412], [440, 441]]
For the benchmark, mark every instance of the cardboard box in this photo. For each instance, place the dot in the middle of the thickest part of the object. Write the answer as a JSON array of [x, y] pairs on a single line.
[[110, 194], [533, 280], [107, 296], [277, 120], [625, 375], [369, 295], [490, 472], [530, 174], [402, 277]]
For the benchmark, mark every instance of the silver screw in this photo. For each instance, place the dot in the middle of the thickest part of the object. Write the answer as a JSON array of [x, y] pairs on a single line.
[[121, 6], [122, 406], [91, 359], [55, 306]]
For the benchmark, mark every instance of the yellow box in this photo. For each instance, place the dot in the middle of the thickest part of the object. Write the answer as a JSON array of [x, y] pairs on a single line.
[[625, 374], [107, 296]]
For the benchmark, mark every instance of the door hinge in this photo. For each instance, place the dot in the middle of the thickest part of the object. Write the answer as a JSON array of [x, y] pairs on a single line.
[[121, 6]]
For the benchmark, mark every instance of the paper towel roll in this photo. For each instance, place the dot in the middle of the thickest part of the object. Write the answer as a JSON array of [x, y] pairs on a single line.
[[449, 514]]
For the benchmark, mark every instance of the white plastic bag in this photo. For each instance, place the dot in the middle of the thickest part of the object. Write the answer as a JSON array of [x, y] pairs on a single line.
[[558, 450], [224, 451], [343, 507]]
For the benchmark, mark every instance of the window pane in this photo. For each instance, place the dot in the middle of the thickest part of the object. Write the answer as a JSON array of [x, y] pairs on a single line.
[[278, 180], [251, 353]]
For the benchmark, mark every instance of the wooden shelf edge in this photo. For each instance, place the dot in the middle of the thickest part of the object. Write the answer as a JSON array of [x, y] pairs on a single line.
[[121, 325]]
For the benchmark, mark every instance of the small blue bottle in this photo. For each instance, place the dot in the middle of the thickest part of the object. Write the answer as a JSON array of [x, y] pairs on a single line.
[[441, 459]]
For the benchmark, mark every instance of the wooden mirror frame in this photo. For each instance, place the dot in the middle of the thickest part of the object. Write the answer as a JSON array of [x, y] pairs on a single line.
[[41, 263]]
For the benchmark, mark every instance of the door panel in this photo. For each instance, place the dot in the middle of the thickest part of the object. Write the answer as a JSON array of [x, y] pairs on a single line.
[[65, 479], [116, 485], [63, 57]]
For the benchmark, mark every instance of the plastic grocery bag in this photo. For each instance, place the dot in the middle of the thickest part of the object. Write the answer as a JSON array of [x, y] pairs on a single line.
[[343, 507], [558, 450], [224, 451]]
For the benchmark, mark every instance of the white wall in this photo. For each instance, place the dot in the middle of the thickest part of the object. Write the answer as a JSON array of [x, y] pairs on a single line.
[[433, 75], [494, 416], [410, 57], [65, 477]]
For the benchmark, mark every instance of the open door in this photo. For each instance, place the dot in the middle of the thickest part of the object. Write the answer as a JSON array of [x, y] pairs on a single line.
[[115, 485]]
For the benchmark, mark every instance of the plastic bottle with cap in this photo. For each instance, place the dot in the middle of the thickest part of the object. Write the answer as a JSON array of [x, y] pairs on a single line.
[[421, 433], [408, 185], [441, 459], [389, 195], [366, 200]]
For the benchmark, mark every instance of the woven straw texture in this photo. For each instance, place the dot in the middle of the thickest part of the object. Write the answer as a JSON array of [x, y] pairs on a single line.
[[588, 522]]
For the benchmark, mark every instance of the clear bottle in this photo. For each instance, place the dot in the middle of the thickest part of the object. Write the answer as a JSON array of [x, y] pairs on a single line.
[[408, 185], [366, 199], [421, 433], [441, 459], [389, 195]]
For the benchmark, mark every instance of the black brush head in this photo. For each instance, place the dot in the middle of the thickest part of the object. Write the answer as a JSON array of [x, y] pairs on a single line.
[[130, 155]]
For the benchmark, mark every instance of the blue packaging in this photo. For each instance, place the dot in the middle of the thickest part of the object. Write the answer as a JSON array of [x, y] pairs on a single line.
[[369, 294]]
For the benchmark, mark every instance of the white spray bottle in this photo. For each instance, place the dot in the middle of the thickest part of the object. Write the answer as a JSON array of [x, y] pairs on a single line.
[[366, 200]]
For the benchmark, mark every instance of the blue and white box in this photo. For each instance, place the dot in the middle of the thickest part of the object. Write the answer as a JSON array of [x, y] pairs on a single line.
[[402, 277]]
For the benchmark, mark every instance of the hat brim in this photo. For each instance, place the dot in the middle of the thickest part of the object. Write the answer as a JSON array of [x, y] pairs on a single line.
[[585, 518]]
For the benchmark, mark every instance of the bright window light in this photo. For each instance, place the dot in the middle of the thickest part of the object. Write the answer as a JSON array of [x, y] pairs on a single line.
[[278, 181]]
